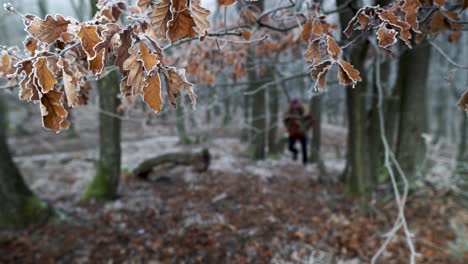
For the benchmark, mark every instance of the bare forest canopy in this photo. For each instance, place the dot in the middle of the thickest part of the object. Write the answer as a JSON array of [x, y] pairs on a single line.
[[380, 55], [61, 53]]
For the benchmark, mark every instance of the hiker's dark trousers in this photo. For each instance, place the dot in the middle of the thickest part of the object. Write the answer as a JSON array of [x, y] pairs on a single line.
[[292, 148]]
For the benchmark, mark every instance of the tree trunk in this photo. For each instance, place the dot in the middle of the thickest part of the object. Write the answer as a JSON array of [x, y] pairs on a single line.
[[315, 110], [20, 207], [105, 184], [180, 122], [412, 78], [357, 172], [257, 144], [227, 109], [462, 155], [247, 102], [274, 115]]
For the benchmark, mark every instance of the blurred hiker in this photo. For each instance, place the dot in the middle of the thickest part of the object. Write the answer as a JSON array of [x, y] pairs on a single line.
[[297, 123]]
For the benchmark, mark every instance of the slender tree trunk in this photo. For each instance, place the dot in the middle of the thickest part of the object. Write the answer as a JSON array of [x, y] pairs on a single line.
[[274, 114], [180, 123], [247, 102], [19, 206], [315, 109], [462, 155], [412, 79], [358, 170], [257, 144], [105, 184], [227, 109]]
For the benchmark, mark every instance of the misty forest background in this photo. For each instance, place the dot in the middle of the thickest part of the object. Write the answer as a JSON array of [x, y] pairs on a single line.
[[253, 204]]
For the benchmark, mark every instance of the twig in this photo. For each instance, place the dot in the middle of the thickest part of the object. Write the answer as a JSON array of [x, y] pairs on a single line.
[[264, 86], [446, 56], [389, 159]]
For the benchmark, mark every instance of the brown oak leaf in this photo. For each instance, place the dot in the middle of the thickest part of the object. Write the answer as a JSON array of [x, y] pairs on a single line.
[[319, 73], [96, 65], [70, 82], [160, 16], [45, 78], [122, 51], [30, 44], [135, 75], [175, 82], [27, 88], [463, 102], [200, 17], [152, 92], [307, 30], [147, 58], [386, 36], [182, 23], [332, 48], [89, 38], [314, 54], [53, 113], [411, 8], [349, 75], [48, 30], [144, 4]]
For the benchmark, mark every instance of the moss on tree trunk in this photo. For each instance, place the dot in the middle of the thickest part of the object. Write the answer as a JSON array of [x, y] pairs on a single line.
[[106, 181], [19, 206]]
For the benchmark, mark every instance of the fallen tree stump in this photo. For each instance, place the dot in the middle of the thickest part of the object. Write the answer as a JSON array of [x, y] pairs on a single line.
[[199, 160]]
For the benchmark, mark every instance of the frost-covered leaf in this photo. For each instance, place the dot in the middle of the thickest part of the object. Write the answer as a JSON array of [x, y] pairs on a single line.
[[332, 48], [125, 38], [147, 58], [463, 102], [386, 36], [348, 75], [135, 76], [175, 82], [314, 54], [411, 8], [400, 26], [319, 73], [97, 64], [31, 44], [307, 30], [152, 93], [6, 65], [45, 78], [89, 38], [160, 16], [70, 82], [200, 17], [27, 88], [182, 23], [144, 4], [53, 113], [48, 30]]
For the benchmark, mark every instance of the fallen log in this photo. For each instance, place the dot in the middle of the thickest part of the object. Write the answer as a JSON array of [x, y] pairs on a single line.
[[200, 161]]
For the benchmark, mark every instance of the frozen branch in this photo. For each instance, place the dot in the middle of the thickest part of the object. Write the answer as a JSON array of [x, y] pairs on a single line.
[[447, 56], [389, 158]]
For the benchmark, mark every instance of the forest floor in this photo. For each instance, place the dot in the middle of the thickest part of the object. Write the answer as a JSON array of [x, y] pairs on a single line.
[[239, 211]]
